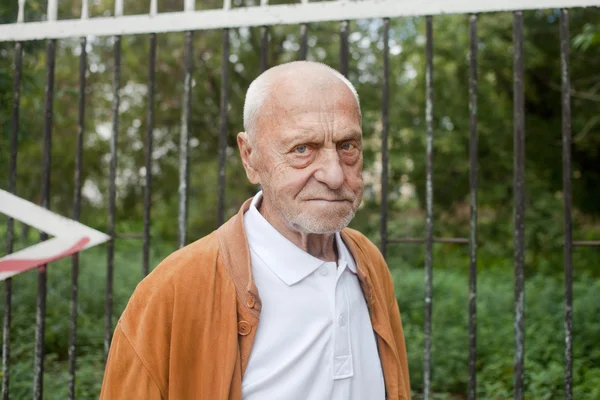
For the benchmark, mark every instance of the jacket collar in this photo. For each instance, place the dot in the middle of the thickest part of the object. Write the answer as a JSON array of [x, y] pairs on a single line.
[[234, 249]]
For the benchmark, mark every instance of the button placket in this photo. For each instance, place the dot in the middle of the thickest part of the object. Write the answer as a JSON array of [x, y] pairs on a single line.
[[342, 357]]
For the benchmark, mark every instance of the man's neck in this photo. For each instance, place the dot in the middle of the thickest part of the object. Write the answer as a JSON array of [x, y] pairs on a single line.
[[321, 246]]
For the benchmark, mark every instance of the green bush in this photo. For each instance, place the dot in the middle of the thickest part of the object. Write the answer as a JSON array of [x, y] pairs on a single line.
[[90, 319], [544, 341], [544, 348]]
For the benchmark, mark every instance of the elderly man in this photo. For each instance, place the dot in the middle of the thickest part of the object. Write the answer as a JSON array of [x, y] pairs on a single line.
[[283, 301]]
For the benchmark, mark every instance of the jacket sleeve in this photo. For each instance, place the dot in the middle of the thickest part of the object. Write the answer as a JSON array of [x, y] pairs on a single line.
[[126, 376]]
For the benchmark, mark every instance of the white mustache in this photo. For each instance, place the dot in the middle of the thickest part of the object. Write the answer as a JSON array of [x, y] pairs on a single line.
[[328, 194]]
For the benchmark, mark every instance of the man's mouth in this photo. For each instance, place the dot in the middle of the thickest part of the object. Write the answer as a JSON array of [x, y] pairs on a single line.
[[331, 200]]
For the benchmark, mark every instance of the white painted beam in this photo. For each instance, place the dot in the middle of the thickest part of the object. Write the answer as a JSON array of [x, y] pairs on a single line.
[[268, 15]]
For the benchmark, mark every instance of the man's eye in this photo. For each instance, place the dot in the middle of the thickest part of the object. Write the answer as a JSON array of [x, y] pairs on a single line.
[[347, 146], [301, 149]]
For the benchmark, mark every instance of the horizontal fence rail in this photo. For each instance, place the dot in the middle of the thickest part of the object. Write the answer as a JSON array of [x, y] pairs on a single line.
[[227, 17], [263, 16]]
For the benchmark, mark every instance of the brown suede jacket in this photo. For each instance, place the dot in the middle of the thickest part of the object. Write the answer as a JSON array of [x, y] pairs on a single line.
[[188, 328]]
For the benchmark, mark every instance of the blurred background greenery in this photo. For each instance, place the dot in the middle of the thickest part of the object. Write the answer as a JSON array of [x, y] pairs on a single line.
[[544, 216]]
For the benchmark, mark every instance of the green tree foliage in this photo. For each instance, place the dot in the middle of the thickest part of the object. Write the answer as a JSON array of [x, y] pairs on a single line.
[[544, 198], [407, 126]]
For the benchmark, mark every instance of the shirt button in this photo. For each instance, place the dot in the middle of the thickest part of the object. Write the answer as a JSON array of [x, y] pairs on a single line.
[[342, 320], [250, 301], [323, 271]]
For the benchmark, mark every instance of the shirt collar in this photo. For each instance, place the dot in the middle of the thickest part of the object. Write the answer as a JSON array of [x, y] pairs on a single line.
[[286, 260], [344, 254]]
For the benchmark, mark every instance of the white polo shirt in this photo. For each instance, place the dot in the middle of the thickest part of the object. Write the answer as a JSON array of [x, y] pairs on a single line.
[[314, 340]]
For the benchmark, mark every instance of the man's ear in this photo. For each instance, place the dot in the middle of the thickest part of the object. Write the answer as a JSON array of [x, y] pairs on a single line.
[[246, 151]]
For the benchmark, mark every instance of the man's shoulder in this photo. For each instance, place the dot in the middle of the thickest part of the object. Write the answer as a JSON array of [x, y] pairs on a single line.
[[180, 275], [192, 260]]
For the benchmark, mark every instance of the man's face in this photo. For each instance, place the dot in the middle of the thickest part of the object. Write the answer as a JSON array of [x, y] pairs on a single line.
[[309, 157]]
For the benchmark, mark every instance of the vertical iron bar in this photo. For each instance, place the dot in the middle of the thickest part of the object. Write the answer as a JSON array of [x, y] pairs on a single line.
[[303, 42], [519, 203], [568, 199], [148, 155], [184, 158], [472, 385], [21, 11], [12, 188], [40, 315], [264, 48], [344, 48], [7, 323], [112, 195], [385, 110], [76, 217], [429, 206], [223, 128]]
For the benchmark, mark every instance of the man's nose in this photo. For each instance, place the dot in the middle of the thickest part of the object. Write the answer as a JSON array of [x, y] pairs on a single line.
[[330, 170]]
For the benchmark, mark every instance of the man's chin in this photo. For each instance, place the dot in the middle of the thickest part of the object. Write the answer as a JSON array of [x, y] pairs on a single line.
[[323, 225]]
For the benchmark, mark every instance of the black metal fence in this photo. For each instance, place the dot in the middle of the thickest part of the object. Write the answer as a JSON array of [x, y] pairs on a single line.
[[428, 240]]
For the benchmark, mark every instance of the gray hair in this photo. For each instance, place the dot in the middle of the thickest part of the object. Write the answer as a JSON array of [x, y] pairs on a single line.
[[260, 88]]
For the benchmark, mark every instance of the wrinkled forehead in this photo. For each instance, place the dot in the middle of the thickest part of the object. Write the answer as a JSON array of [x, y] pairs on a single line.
[[290, 100]]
